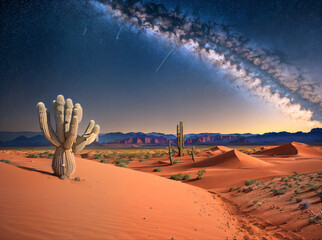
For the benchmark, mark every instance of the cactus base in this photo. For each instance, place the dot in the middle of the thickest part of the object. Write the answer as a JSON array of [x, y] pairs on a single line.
[[63, 162]]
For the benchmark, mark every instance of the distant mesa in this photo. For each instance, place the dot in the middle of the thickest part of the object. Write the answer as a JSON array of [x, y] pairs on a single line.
[[293, 148], [239, 141], [20, 139], [211, 139], [143, 140], [232, 159]]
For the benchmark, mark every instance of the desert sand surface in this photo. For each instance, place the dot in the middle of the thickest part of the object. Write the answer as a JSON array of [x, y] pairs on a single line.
[[137, 202]]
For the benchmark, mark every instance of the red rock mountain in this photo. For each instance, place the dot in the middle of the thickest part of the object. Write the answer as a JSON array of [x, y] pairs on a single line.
[[143, 140]]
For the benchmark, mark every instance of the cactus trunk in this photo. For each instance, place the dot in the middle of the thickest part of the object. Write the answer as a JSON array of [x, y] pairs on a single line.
[[170, 153], [193, 153], [63, 163], [180, 138]]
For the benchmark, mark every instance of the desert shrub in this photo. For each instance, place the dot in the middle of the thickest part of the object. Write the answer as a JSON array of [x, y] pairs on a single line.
[[122, 165], [250, 182], [51, 154], [286, 187], [164, 154], [5, 161], [200, 173], [297, 191], [274, 190], [270, 183], [175, 161], [232, 189], [120, 161], [298, 200], [295, 173], [247, 189], [33, 156], [320, 195], [148, 156], [104, 161], [314, 186], [255, 201], [99, 156], [186, 177], [158, 169], [141, 160], [177, 177]]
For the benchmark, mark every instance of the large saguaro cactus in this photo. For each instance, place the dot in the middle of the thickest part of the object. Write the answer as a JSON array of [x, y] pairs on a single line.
[[180, 138], [66, 141]]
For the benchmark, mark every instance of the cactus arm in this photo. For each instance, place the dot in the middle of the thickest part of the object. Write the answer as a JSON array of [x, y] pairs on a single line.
[[55, 108], [43, 122], [86, 138], [80, 112], [90, 127], [51, 131], [68, 116], [72, 133], [94, 135], [59, 117]]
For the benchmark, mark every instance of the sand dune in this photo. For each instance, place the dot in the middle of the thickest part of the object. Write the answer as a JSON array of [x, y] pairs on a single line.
[[232, 159], [293, 148], [109, 203], [221, 148], [215, 151]]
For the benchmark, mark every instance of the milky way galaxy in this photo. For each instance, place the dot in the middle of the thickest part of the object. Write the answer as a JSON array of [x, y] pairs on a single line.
[[264, 73]]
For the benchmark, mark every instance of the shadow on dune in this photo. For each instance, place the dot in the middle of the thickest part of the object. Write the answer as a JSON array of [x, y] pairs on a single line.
[[35, 170]]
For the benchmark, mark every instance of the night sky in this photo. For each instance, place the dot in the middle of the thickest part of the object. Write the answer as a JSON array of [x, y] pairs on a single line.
[[77, 49]]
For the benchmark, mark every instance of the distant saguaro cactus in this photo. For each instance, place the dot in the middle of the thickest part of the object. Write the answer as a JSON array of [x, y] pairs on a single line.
[[170, 153], [180, 138], [67, 118], [193, 152]]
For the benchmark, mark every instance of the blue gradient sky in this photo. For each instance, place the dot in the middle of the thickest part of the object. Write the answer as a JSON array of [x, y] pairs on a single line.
[[44, 52]]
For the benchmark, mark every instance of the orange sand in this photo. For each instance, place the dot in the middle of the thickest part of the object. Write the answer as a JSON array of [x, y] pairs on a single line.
[[108, 203], [231, 159], [116, 203]]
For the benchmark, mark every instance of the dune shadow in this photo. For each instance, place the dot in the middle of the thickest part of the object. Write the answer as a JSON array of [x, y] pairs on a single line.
[[35, 170], [191, 180]]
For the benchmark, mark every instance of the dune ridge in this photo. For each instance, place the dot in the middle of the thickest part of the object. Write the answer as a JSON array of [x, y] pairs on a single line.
[[231, 159], [293, 148]]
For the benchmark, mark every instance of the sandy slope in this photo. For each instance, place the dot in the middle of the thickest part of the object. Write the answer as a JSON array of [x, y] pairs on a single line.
[[109, 203], [231, 159], [293, 148]]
